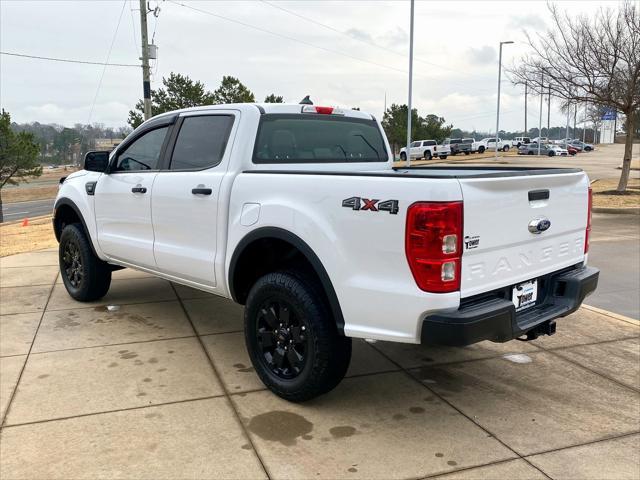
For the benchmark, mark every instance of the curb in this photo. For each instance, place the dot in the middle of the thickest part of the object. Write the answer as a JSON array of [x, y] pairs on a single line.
[[617, 316], [619, 210]]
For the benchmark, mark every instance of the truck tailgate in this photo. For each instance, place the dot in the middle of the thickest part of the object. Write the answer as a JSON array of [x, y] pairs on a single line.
[[499, 249]]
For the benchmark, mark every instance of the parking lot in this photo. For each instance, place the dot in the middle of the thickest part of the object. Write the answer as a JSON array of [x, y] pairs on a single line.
[[154, 382]]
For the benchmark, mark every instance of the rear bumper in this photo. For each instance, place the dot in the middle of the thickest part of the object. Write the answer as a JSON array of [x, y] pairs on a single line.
[[494, 317]]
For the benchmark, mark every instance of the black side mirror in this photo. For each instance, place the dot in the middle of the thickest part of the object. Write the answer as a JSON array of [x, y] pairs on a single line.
[[96, 161]]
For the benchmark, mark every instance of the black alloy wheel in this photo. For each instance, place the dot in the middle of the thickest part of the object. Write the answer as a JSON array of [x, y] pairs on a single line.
[[282, 339], [72, 263]]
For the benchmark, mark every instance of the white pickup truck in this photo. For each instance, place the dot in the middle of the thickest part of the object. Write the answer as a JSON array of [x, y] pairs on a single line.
[[426, 149], [296, 212]]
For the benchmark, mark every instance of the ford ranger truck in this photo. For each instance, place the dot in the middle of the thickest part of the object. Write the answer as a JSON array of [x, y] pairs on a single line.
[[296, 212]]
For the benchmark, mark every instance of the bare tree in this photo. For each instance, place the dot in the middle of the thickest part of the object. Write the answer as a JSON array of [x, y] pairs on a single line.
[[590, 60]]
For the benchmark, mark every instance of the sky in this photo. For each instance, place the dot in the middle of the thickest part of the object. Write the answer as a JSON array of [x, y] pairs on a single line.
[[341, 53]]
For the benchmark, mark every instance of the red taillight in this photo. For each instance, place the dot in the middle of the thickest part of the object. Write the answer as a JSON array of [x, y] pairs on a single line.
[[433, 245], [324, 110], [588, 231]]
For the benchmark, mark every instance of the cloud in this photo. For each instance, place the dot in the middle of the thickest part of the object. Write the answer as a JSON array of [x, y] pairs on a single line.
[[482, 55], [359, 34], [394, 38]]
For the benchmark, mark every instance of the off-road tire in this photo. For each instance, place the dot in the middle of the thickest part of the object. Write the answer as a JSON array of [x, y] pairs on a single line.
[[327, 353], [84, 275]]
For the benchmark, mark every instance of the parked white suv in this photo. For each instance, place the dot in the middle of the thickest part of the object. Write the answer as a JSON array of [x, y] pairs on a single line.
[[297, 213], [519, 141]]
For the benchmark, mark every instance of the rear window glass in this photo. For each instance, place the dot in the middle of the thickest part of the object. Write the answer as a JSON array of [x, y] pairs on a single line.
[[310, 138]]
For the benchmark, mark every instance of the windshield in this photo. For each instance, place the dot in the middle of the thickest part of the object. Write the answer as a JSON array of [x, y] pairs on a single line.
[[312, 138]]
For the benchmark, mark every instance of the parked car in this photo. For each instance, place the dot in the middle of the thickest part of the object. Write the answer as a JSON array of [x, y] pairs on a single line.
[[490, 144], [571, 149], [470, 145], [455, 145], [539, 139], [557, 150], [587, 147], [519, 141], [298, 213], [545, 149], [426, 149]]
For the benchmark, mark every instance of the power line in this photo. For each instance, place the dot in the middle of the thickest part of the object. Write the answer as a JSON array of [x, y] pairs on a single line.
[[366, 42], [68, 60], [104, 68], [286, 37]]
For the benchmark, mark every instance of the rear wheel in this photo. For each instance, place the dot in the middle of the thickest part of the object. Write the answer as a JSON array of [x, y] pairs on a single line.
[[530, 152], [84, 275], [293, 342], [403, 156], [505, 148], [551, 153], [443, 157], [427, 155], [467, 152]]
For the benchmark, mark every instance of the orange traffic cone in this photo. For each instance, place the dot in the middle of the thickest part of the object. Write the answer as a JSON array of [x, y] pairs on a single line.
[[25, 222]]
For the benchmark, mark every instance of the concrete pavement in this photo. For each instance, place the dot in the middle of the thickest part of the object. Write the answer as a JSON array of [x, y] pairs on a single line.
[[161, 387]]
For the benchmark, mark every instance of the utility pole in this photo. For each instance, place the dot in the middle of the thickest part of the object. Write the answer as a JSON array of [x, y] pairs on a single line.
[[575, 117], [408, 150], [526, 85], [146, 76]]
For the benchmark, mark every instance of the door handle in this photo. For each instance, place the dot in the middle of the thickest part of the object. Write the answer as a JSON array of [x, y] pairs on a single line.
[[201, 191], [139, 189]]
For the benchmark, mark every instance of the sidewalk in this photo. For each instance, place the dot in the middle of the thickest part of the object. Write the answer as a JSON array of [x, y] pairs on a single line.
[[161, 387]]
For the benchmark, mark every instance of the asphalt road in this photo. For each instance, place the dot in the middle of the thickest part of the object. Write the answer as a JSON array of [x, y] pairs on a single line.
[[615, 250], [20, 210]]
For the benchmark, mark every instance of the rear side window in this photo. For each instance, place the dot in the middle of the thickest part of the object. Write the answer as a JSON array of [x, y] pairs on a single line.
[[429, 143], [310, 138], [201, 142]]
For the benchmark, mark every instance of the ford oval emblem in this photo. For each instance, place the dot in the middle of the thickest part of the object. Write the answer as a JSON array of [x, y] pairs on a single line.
[[539, 225]]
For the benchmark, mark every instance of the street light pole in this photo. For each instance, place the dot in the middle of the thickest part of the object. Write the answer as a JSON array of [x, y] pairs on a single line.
[[540, 120], [498, 108], [408, 150]]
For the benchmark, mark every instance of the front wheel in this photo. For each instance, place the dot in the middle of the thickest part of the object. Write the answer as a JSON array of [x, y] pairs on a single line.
[[481, 149], [84, 275], [292, 340], [552, 153]]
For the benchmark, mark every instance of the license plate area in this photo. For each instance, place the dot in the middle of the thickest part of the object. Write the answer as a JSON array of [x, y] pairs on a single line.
[[524, 295]]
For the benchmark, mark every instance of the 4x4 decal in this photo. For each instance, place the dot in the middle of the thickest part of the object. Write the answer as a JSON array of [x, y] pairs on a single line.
[[359, 203]]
